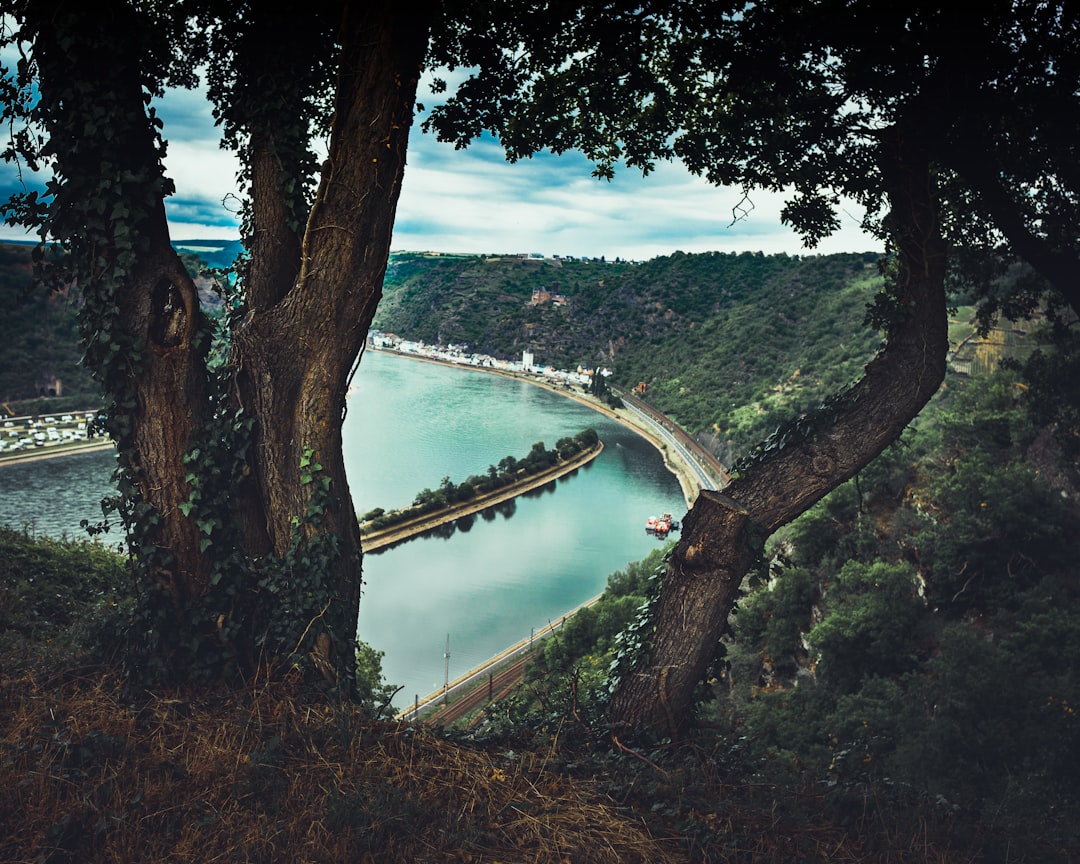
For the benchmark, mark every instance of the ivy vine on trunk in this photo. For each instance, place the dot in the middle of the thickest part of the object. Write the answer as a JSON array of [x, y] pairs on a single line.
[[232, 484], [724, 532]]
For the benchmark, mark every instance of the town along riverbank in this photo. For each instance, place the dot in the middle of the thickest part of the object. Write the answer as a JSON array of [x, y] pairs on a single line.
[[404, 530], [673, 460]]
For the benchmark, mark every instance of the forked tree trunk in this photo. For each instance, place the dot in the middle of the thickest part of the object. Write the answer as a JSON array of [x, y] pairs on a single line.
[[722, 530], [294, 353], [312, 292]]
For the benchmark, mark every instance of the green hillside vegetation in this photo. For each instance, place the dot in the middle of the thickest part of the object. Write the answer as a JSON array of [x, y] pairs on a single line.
[[39, 335], [910, 644], [726, 343], [898, 682], [39, 340]]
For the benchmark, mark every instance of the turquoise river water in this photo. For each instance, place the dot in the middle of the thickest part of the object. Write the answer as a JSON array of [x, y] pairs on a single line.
[[486, 582]]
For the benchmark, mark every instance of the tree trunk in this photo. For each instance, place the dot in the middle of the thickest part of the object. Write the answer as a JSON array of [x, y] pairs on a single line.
[[294, 353], [723, 531], [265, 564], [140, 313]]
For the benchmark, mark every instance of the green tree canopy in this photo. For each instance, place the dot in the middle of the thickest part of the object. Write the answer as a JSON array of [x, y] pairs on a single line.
[[797, 97], [954, 129]]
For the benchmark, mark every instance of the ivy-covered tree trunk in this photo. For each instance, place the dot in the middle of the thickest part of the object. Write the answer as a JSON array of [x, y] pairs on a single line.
[[232, 476], [723, 532], [140, 317], [294, 350]]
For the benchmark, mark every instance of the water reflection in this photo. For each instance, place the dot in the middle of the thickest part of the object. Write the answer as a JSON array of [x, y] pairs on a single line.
[[540, 491], [496, 579]]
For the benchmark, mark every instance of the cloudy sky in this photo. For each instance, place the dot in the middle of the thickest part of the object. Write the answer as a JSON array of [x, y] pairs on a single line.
[[473, 201]]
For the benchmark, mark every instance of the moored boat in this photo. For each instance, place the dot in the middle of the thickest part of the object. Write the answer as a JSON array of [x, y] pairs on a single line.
[[661, 526]]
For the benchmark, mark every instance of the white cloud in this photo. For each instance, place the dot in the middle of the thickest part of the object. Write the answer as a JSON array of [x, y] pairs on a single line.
[[473, 201]]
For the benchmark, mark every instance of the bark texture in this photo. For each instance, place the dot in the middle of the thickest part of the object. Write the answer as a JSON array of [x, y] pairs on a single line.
[[295, 350], [110, 212], [722, 531], [161, 305], [311, 288]]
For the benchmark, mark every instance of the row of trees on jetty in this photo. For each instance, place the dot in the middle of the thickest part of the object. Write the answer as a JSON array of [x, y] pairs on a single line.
[[508, 471]]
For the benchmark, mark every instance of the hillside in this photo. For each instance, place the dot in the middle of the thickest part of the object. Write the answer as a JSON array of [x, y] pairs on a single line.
[[39, 342], [898, 687], [39, 338], [726, 343]]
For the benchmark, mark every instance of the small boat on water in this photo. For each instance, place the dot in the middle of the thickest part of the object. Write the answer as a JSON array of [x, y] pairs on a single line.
[[660, 527]]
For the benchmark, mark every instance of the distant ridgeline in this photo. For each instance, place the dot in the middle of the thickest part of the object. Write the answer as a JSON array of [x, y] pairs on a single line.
[[510, 470], [39, 339], [729, 345]]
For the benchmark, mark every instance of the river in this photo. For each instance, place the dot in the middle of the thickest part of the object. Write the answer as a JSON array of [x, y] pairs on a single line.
[[486, 582]]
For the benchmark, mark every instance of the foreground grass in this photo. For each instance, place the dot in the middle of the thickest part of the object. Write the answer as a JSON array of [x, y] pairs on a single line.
[[90, 775], [92, 770]]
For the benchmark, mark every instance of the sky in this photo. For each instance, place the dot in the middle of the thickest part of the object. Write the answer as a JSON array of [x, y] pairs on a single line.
[[473, 201]]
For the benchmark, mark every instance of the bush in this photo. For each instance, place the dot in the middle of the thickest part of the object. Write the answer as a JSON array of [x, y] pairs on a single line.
[[69, 596], [871, 614]]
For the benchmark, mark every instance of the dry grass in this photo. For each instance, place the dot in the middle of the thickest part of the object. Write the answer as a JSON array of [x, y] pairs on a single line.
[[88, 775]]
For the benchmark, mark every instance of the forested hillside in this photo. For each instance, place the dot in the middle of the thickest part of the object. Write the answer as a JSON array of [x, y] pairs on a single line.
[[910, 644], [39, 347], [727, 344], [39, 338]]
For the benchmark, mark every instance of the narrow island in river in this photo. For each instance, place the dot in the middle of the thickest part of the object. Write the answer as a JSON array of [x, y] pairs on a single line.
[[405, 525]]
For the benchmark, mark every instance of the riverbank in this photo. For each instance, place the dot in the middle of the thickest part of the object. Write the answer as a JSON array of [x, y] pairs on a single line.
[[22, 457], [403, 531], [673, 461], [687, 477], [473, 679]]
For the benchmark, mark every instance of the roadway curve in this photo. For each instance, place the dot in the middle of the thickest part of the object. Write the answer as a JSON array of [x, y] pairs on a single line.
[[707, 471]]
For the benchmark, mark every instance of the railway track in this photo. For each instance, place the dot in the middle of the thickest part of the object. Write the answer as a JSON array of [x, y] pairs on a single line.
[[499, 682]]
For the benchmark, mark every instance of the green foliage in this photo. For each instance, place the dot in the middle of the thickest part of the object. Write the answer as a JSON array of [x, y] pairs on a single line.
[[776, 618], [510, 470], [590, 633], [831, 532], [872, 614], [568, 675], [634, 642], [730, 345], [102, 208], [799, 98], [38, 337], [918, 636], [61, 597], [1053, 378], [262, 63], [997, 529], [372, 690], [994, 718], [634, 581]]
